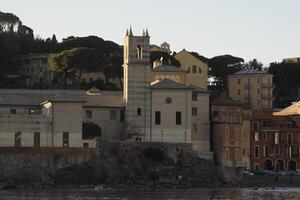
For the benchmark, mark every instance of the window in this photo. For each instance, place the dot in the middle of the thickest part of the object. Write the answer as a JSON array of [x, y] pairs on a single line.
[[277, 150], [85, 145], [276, 138], [265, 137], [157, 117], [18, 137], [194, 69], [239, 92], [199, 70], [254, 126], [13, 111], [194, 111], [139, 112], [178, 118], [258, 91], [65, 139], [36, 139], [113, 114], [256, 151], [290, 138], [194, 128], [89, 114], [122, 115], [266, 151], [139, 52], [289, 152], [194, 96], [239, 81], [215, 114], [258, 80], [256, 136]]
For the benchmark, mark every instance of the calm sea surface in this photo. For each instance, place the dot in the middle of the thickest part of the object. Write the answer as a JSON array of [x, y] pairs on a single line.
[[213, 194]]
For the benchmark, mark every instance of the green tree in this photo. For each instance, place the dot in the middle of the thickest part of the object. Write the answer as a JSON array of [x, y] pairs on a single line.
[[222, 66], [74, 62], [9, 22], [253, 64]]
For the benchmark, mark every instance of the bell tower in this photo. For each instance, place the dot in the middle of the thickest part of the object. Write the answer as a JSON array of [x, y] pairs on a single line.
[[136, 94]]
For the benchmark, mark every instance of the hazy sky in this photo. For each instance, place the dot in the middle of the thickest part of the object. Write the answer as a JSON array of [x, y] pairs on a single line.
[[268, 30]]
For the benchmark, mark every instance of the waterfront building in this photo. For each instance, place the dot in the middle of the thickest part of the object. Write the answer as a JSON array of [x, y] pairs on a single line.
[[252, 87], [156, 105], [275, 141], [231, 132]]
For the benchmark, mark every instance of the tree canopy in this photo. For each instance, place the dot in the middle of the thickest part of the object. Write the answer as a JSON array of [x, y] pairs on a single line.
[[221, 66], [75, 61]]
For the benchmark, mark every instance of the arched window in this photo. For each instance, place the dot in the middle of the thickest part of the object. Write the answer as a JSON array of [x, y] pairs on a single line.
[[139, 112], [199, 70], [139, 52]]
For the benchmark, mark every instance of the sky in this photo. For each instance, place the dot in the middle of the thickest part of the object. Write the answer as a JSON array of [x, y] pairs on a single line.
[[267, 30]]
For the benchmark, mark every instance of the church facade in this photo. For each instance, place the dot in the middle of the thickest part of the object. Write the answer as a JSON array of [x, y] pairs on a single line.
[[161, 104]]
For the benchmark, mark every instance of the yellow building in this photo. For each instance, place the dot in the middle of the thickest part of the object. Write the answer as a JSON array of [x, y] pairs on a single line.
[[196, 66], [251, 87]]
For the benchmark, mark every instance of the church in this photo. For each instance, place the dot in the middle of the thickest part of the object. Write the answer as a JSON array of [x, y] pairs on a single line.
[[157, 104], [161, 105]]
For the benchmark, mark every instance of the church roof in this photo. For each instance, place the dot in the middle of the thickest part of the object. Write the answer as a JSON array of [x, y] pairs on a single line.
[[168, 84], [168, 68]]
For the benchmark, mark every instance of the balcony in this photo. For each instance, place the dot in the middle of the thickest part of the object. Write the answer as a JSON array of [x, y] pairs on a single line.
[[234, 163]]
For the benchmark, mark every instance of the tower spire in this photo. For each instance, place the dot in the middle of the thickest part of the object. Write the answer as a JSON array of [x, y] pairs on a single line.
[[130, 32], [147, 33], [144, 32], [127, 32]]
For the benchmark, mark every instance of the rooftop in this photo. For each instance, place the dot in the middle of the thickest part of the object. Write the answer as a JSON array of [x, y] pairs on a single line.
[[249, 71], [168, 84], [168, 68]]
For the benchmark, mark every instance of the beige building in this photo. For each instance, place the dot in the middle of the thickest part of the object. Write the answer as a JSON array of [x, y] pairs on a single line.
[[295, 60], [35, 68], [196, 66], [231, 133], [252, 87]]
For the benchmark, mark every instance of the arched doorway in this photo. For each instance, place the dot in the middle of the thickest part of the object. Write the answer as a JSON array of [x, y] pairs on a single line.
[[268, 165], [292, 165], [279, 165]]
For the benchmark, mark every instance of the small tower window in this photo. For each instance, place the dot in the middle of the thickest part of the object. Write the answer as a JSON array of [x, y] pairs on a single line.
[[139, 52], [139, 112]]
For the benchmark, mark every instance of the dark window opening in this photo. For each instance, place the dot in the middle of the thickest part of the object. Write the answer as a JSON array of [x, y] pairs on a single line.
[[157, 117], [65, 139], [178, 118]]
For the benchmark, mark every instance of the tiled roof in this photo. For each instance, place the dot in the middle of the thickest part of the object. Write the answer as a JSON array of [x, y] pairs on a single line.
[[20, 97], [168, 84], [225, 100], [250, 71], [168, 68]]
